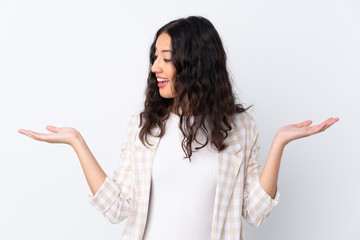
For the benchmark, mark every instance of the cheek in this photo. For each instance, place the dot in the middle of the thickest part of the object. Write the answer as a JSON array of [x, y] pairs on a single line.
[[172, 72], [172, 78]]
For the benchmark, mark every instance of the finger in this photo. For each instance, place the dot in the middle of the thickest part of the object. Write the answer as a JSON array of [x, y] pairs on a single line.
[[304, 124], [330, 123], [22, 131], [327, 123], [27, 133], [322, 126], [32, 135], [314, 129], [40, 136], [52, 129]]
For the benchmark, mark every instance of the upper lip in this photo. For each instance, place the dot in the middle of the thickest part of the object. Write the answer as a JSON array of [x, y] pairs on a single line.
[[160, 77]]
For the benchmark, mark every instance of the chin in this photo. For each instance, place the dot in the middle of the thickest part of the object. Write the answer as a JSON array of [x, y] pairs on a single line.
[[166, 94]]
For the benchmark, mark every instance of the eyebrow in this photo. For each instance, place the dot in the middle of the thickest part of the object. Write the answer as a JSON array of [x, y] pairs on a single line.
[[164, 50]]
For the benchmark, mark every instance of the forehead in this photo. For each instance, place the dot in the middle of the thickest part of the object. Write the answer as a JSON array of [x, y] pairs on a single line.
[[163, 42]]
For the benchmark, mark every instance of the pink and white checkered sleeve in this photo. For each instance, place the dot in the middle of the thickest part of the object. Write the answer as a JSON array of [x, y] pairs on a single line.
[[113, 199], [257, 204]]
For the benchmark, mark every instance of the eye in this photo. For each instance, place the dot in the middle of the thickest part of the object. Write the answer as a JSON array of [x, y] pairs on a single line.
[[154, 58]]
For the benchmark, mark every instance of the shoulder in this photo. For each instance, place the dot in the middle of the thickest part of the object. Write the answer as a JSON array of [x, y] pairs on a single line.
[[135, 117], [244, 121], [135, 126], [244, 128], [133, 123]]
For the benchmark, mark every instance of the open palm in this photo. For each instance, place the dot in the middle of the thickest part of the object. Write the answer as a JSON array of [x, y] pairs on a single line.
[[292, 132], [59, 135]]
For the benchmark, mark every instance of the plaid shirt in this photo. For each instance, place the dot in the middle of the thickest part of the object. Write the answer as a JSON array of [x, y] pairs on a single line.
[[238, 191]]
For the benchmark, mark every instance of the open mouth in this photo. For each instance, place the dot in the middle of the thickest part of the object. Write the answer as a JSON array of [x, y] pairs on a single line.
[[162, 82], [162, 79]]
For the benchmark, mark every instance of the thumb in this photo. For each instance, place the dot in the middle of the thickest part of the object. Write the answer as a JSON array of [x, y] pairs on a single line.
[[304, 124], [52, 129]]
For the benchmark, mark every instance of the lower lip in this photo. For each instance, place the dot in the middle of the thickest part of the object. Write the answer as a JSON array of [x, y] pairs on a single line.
[[162, 84]]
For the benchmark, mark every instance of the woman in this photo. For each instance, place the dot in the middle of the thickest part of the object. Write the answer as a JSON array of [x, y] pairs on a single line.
[[190, 107]]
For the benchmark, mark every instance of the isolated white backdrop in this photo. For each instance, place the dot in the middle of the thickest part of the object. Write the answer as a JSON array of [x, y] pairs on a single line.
[[84, 64]]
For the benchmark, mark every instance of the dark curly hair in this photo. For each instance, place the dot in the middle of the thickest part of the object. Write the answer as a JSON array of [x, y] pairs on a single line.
[[201, 82]]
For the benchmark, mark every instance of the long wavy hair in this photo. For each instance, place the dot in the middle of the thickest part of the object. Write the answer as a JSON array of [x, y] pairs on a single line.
[[201, 83]]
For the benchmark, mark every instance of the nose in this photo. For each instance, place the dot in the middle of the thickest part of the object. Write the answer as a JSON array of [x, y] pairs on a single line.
[[156, 68]]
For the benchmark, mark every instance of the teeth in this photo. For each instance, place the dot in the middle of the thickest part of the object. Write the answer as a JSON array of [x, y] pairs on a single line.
[[162, 79]]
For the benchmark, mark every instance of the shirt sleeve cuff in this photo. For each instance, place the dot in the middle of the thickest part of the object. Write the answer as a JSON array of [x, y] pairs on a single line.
[[268, 201], [105, 196]]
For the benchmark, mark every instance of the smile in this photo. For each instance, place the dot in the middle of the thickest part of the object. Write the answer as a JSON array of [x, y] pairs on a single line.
[[162, 79], [162, 82]]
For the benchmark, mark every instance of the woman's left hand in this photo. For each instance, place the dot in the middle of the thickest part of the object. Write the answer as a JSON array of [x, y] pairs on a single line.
[[292, 132]]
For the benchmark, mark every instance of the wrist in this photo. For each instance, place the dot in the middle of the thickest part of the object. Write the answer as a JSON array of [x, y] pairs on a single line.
[[77, 140], [278, 142]]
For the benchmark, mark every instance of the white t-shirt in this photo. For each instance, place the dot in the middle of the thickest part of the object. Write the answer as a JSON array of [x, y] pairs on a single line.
[[182, 192]]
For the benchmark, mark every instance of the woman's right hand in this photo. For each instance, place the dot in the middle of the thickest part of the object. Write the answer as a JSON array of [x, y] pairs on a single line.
[[65, 135], [95, 175]]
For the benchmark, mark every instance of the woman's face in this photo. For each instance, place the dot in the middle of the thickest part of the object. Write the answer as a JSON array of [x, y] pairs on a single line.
[[163, 67]]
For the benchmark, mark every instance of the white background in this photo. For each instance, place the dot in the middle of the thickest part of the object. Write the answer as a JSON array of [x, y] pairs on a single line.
[[84, 64]]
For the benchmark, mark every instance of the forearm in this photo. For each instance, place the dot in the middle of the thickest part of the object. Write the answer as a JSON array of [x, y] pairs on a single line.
[[94, 174], [270, 173]]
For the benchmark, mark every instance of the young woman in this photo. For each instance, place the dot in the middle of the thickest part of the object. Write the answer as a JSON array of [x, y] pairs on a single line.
[[189, 164]]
